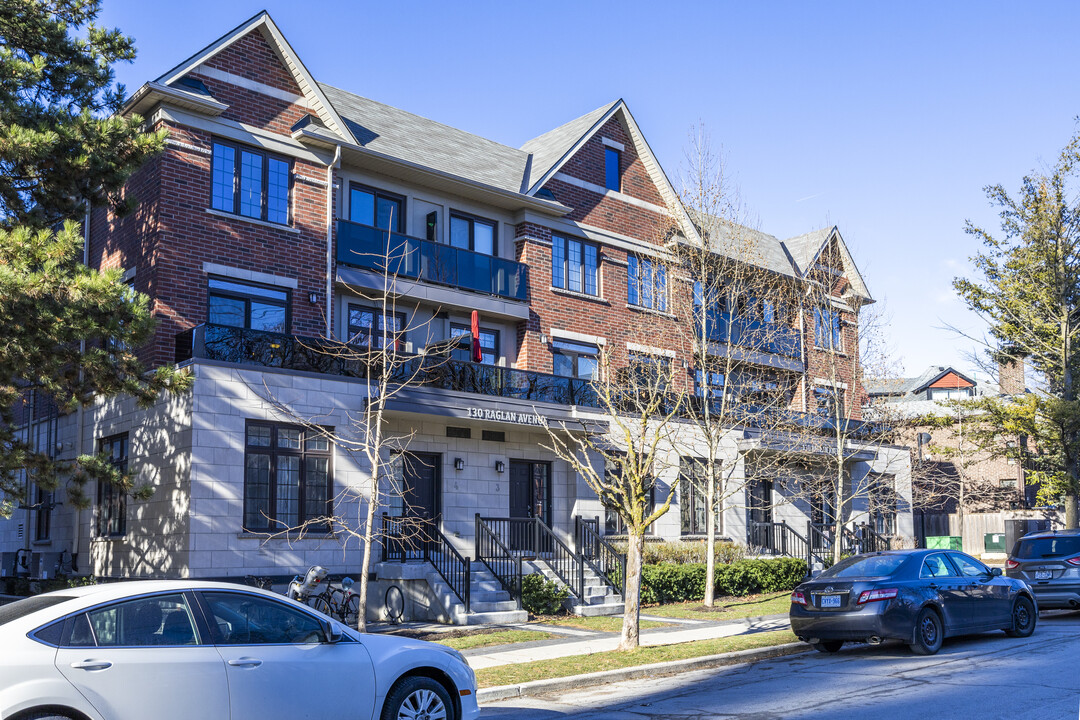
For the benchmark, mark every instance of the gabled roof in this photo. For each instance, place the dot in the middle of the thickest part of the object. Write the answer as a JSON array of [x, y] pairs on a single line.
[[403, 135], [746, 244], [913, 385], [805, 249], [270, 32]]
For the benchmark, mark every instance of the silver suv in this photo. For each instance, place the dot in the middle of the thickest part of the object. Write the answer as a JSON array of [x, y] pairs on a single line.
[[1050, 563]]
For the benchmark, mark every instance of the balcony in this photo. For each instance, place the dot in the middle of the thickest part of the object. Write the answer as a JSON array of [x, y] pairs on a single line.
[[773, 338], [370, 248], [290, 352]]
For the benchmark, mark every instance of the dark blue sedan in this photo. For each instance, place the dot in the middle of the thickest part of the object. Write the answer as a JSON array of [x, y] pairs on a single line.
[[917, 596]]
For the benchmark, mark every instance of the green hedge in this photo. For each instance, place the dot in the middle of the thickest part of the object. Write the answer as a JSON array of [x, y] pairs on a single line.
[[670, 582]]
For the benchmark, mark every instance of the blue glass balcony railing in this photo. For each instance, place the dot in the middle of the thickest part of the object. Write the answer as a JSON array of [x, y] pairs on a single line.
[[370, 248], [771, 338]]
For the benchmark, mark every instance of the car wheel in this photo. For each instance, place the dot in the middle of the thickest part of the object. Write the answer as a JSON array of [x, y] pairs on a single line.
[[418, 697], [928, 633], [45, 716], [828, 646], [1023, 618]]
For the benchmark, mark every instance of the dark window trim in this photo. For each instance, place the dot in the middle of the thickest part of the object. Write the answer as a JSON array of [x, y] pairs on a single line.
[[565, 241], [248, 298], [274, 452], [376, 333], [264, 199], [584, 349], [468, 329], [609, 152], [353, 185], [635, 283], [101, 522], [472, 220]]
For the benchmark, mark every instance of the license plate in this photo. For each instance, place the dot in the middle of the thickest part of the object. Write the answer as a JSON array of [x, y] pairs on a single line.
[[1043, 574], [830, 601]]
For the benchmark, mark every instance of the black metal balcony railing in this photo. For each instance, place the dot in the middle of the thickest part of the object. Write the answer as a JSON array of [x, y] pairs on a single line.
[[395, 254], [772, 338], [291, 352]]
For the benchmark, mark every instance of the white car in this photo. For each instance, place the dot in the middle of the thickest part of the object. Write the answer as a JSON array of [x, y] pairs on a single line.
[[177, 650]]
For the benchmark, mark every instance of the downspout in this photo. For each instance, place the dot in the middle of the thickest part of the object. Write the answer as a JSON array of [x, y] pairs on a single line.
[[330, 240]]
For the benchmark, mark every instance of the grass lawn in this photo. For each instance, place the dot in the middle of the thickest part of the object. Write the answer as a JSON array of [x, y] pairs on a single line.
[[597, 662], [601, 623], [728, 608], [501, 637]]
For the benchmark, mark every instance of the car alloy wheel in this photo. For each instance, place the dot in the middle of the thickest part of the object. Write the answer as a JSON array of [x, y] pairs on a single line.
[[418, 698], [928, 633], [1023, 618]]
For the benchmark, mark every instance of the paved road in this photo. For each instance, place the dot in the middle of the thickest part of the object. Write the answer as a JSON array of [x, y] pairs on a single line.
[[987, 676]]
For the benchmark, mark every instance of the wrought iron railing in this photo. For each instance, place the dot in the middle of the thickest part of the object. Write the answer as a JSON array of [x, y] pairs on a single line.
[[397, 255], [498, 558], [412, 538], [600, 555]]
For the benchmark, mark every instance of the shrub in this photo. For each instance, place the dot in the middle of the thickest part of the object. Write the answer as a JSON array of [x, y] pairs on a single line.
[[686, 551], [670, 582], [541, 596]]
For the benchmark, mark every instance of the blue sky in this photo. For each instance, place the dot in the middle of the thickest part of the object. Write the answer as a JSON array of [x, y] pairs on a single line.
[[884, 119]]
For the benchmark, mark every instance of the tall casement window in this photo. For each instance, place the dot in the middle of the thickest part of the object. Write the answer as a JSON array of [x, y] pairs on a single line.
[[489, 344], [613, 522], [612, 169], [648, 369], [469, 232], [828, 401], [646, 284], [574, 265], [369, 328], [711, 386], [827, 332], [43, 522], [250, 182], [693, 507], [883, 503], [368, 206], [574, 359], [247, 305], [111, 502], [287, 476]]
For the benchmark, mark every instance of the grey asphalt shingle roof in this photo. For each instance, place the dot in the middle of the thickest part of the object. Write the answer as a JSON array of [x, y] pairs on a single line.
[[400, 134], [550, 147], [750, 245], [804, 248]]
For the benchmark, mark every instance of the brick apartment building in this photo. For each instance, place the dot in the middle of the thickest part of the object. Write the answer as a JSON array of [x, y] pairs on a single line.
[[259, 224]]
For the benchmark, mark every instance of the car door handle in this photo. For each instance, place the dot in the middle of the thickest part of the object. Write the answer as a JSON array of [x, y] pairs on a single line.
[[933, 586], [245, 662], [92, 665]]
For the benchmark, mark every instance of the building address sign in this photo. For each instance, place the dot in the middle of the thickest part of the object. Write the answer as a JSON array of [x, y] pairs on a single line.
[[506, 416]]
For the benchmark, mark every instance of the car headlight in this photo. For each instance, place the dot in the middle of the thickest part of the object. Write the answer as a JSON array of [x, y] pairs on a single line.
[[457, 655]]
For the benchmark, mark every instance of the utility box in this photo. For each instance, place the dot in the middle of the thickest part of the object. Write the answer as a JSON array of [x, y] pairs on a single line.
[[994, 543], [1016, 529], [944, 542]]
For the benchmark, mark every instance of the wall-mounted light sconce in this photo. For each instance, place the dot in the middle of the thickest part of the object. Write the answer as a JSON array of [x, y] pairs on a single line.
[[543, 339], [685, 365], [459, 464], [313, 298], [500, 466]]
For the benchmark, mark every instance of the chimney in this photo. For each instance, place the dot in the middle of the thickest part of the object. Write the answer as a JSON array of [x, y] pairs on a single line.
[[1011, 376]]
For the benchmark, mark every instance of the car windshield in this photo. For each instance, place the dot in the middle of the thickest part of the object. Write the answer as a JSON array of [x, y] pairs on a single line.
[[865, 566], [1047, 547], [22, 608]]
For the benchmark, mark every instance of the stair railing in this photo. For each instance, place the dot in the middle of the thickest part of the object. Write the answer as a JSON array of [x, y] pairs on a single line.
[[412, 538], [600, 555], [497, 557], [564, 562]]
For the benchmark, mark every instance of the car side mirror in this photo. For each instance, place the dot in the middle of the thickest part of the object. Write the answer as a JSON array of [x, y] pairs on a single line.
[[995, 572], [333, 635]]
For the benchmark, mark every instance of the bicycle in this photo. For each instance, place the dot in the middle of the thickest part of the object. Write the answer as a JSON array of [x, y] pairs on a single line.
[[339, 602]]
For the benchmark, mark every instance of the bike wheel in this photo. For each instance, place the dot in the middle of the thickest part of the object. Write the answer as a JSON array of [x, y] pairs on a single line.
[[351, 612], [322, 605]]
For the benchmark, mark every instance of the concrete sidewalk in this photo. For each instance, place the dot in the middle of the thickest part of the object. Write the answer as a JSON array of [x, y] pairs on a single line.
[[584, 642]]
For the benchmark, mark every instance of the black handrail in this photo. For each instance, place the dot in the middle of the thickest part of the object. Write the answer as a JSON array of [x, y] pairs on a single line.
[[497, 557], [415, 538], [600, 555], [782, 539], [564, 562]]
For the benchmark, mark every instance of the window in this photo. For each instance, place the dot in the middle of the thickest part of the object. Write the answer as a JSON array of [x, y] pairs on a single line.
[[250, 182], [472, 233], [368, 206], [949, 393], [574, 265], [574, 359], [249, 306], [111, 502], [693, 504], [936, 566], [157, 620], [362, 330], [43, 501], [1009, 483], [714, 388], [827, 329], [612, 172], [287, 476], [648, 370], [613, 522], [969, 566], [489, 344], [245, 619], [647, 284], [828, 401], [883, 501]]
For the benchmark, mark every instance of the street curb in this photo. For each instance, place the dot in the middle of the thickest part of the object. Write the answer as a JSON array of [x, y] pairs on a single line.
[[539, 687]]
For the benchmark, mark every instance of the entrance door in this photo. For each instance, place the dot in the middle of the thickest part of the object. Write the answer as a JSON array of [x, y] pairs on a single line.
[[530, 497], [414, 503], [760, 505]]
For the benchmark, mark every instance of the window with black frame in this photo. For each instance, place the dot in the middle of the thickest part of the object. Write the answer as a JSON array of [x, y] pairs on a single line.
[[376, 208], [613, 521], [111, 500], [646, 283], [489, 344], [574, 359], [469, 232], [248, 305], [827, 329], [287, 476], [612, 169], [649, 370], [828, 401], [883, 502], [574, 265], [369, 328], [250, 182], [693, 500]]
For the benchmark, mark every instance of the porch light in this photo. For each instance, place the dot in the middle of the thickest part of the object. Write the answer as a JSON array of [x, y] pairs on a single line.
[[459, 464], [313, 298], [500, 466]]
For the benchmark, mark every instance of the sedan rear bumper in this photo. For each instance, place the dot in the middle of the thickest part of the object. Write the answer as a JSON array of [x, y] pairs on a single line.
[[873, 621]]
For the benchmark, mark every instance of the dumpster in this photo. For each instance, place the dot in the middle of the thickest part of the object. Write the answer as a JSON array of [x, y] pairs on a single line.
[[994, 542], [944, 542]]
